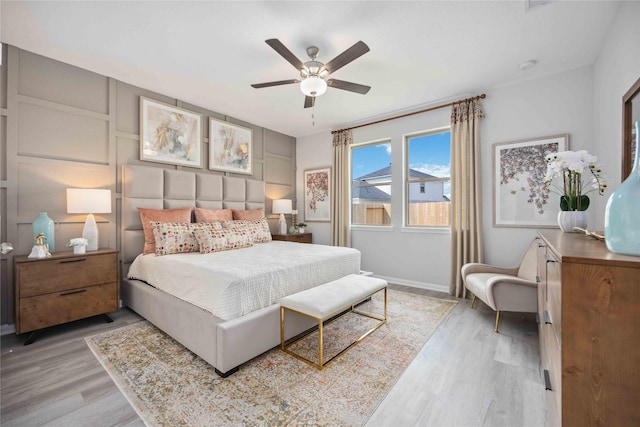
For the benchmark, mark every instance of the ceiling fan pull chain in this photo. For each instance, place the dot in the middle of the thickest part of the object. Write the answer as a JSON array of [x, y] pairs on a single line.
[[313, 115]]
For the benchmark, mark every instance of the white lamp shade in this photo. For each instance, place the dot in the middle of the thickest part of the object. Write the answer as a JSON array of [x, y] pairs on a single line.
[[313, 86], [282, 206], [88, 200]]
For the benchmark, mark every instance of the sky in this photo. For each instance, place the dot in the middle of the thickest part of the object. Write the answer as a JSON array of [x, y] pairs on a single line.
[[429, 154]]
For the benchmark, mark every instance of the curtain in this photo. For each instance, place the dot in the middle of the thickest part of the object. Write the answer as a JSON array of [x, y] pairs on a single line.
[[466, 233], [340, 196]]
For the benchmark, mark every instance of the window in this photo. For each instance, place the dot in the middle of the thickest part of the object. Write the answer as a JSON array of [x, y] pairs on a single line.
[[427, 178], [371, 183]]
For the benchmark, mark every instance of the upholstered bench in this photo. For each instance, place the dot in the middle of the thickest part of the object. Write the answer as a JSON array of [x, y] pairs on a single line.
[[328, 300]]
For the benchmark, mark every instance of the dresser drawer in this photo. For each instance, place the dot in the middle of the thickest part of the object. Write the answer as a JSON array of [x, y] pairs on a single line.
[[60, 307], [55, 275], [553, 304], [554, 371]]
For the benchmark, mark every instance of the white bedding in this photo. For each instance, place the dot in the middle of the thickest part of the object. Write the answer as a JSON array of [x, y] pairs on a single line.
[[230, 284]]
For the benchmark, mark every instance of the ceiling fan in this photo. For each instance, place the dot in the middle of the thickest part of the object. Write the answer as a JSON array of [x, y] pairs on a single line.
[[314, 73]]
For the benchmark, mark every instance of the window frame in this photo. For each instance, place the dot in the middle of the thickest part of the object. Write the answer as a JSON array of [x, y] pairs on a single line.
[[408, 180]]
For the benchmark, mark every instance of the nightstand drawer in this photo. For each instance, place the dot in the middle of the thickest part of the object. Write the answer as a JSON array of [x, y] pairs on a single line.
[[299, 238], [55, 275], [60, 307]]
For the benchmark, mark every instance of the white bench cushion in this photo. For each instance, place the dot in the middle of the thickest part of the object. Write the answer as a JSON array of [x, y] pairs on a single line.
[[330, 298]]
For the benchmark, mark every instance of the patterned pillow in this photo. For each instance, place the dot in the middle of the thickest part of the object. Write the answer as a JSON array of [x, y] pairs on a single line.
[[258, 228], [160, 215], [208, 215], [250, 214], [174, 238], [213, 239]]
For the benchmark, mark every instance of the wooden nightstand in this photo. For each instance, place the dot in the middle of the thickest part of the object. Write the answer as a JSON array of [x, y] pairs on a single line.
[[64, 287], [300, 238]]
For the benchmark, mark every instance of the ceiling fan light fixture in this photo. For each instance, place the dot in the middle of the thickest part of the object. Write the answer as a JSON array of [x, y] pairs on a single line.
[[313, 86]]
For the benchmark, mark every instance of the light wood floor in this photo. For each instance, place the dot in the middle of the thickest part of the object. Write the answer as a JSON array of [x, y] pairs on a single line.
[[466, 375]]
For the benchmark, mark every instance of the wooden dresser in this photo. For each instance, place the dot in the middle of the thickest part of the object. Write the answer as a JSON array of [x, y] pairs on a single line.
[[64, 287], [300, 238], [589, 311]]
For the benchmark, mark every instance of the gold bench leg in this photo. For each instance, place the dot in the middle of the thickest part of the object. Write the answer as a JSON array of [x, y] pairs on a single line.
[[473, 301], [497, 320]]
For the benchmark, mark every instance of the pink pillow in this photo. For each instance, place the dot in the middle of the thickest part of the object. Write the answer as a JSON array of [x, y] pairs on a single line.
[[210, 215], [251, 214], [159, 215]]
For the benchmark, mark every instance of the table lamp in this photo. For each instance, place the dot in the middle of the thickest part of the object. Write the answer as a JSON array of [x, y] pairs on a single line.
[[89, 201], [282, 206]]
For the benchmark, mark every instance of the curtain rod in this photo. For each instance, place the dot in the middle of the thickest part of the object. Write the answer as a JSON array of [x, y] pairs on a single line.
[[482, 96]]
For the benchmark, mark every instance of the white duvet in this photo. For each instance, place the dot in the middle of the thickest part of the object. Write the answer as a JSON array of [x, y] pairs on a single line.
[[230, 284]]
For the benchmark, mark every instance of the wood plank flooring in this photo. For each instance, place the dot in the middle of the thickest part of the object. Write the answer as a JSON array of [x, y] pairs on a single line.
[[466, 375]]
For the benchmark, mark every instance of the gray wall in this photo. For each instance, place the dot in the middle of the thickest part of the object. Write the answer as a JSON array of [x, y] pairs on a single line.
[[63, 127]]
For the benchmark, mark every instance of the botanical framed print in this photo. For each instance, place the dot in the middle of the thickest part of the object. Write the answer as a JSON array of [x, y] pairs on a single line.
[[317, 196], [230, 147], [520, 199], [169, 134]]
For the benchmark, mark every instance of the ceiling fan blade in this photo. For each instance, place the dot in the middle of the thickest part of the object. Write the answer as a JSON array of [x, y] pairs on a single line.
[[278, 83], [285, 53], [309, 101], [351, 87], [351, 54]]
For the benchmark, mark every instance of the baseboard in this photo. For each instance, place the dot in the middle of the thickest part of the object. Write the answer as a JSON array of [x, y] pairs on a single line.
[[7, 329], [415, 284]]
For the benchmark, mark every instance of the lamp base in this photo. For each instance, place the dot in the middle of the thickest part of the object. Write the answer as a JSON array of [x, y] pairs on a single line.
[[90, 232], [282, 223]]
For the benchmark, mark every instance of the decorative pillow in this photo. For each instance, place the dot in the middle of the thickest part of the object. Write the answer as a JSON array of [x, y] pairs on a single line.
[[208, 215], [159, 215], [213, 239], [174, 237], [250, 214], [257, 228]]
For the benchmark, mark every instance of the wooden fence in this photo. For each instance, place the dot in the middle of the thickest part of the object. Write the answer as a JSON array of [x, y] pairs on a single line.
[[426, 214]]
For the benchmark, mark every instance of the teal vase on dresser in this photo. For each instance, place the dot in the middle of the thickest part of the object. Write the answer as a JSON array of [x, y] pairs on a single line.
[[622, 215], [44, 224]]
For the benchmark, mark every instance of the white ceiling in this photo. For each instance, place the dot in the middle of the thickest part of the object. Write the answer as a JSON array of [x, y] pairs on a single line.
[[208, 53]]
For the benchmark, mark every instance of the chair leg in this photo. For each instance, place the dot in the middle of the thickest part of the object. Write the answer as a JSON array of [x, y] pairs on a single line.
[[473, 301], [497, 320]]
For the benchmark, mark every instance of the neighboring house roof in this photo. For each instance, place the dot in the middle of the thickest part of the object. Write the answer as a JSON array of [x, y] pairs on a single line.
[[387, 172], [371, 193]]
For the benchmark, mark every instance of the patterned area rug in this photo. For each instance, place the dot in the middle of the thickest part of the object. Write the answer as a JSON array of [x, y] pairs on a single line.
[[168, 385]]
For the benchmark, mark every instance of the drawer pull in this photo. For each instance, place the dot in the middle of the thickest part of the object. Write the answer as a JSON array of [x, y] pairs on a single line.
[[549, 259], [79, 291], [547, 380], [73, 260], [547, 318]]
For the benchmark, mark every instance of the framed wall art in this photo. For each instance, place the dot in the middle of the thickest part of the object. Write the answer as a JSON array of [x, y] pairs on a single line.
[[230, 147], [169, 134], [520, 199], [317, 196]]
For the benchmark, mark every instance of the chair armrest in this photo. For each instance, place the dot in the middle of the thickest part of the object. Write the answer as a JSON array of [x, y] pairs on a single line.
[[474, 267], [512, 280]]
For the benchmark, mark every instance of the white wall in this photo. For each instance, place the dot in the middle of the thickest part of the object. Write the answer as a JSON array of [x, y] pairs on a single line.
[[615, 71], [584, 102]]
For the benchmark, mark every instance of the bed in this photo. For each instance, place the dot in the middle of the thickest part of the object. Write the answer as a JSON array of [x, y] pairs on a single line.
[[224, 337]]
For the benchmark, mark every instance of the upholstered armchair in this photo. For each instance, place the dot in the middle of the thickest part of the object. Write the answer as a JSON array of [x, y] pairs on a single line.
[[504, 289]]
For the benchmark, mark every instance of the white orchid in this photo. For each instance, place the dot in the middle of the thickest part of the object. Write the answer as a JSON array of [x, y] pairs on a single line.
[[572, 165], [78, 241]]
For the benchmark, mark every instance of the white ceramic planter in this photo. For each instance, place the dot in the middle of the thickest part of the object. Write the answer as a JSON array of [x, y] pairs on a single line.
[[79, 250], [569, 219]]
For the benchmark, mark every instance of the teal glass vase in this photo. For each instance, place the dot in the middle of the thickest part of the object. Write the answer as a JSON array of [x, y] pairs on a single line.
[[622, 215], [44, 224]]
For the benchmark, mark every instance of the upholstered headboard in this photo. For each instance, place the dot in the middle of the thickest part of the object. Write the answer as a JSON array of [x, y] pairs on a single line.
[[157, 188]]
